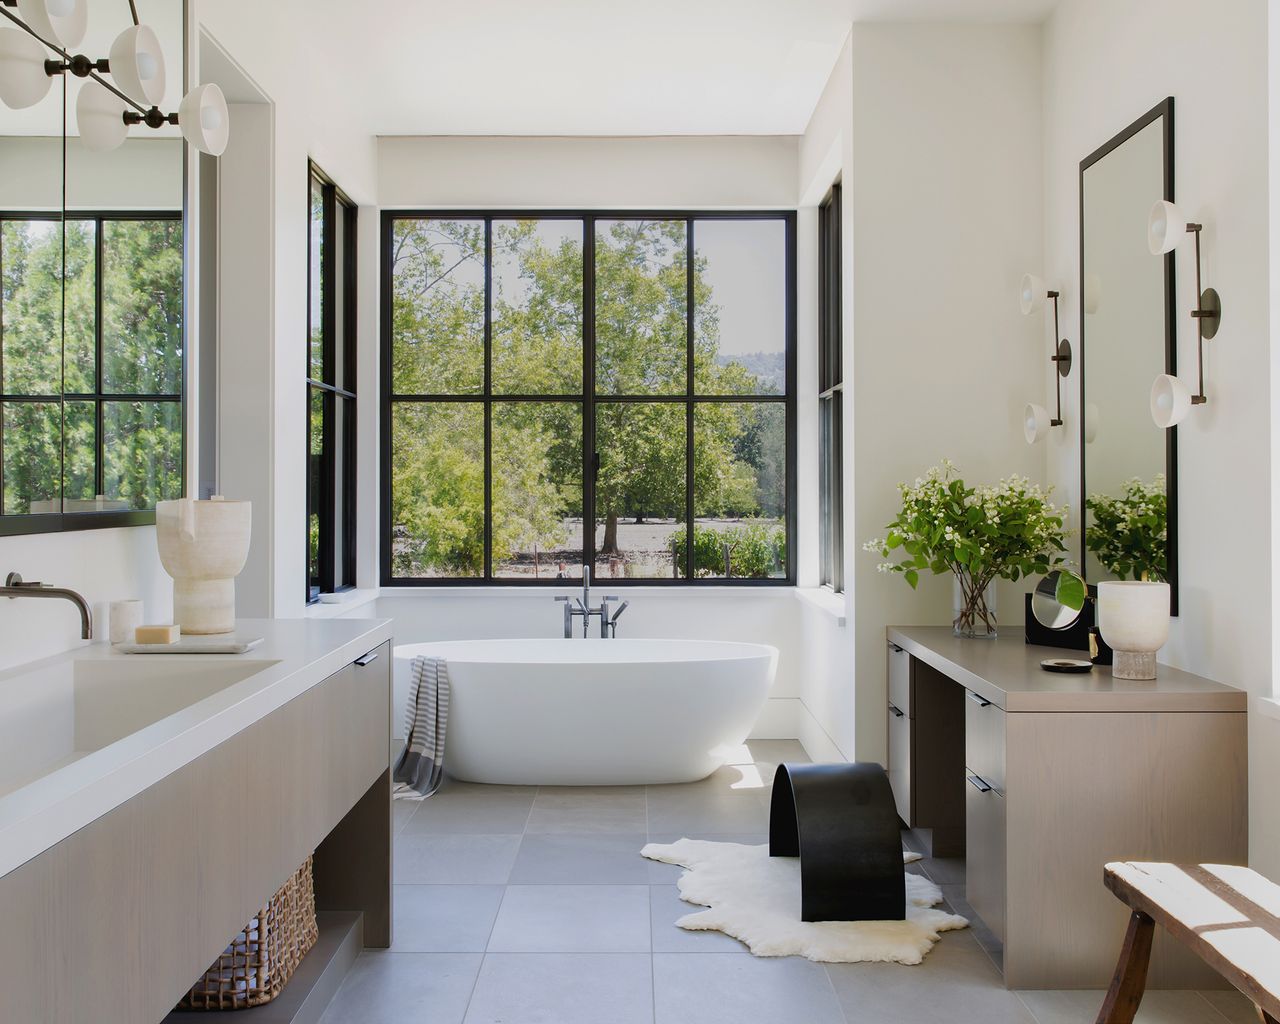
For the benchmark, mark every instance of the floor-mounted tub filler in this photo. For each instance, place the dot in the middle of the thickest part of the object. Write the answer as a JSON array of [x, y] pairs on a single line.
[[594, 712]]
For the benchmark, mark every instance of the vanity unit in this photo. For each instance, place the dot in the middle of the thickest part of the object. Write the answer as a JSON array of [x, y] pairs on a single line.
[[1054, 776], [150, 805]]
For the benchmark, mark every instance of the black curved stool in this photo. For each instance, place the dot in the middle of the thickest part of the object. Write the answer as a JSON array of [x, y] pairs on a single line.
[[840, 820]]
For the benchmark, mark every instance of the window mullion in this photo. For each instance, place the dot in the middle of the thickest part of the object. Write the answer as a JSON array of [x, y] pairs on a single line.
[[689, 417], [589, 466], [488, 399]]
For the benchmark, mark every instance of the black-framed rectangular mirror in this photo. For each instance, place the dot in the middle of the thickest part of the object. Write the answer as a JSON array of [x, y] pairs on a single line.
[[92, 288], [1128, 330]]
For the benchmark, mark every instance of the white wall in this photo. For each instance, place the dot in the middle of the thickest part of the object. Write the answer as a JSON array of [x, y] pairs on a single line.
[[1106, 63], [936, 129]]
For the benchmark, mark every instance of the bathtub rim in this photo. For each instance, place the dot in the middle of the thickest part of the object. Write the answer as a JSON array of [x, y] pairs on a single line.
[[714, 650]]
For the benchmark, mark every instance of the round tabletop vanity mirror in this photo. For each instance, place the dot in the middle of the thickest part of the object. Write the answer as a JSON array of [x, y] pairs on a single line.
[[1048, 609]]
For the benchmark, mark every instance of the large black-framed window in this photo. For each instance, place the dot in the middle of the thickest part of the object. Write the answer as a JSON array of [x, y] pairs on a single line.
[[92, 369], [588, 387], [331, 387], [830, 395]]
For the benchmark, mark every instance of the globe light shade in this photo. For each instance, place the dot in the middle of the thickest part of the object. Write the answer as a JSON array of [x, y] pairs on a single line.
[[1035, 423], [59, 21], [1092, 293], [1170, 401], [204, 119], [1031, 294], [100, 117], [23, 82], [137, 64], [1091, 415], [1166, 227]]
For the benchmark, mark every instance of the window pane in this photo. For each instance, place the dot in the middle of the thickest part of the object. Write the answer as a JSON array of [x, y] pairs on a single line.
[[141, 307], [537, 490], [740, 307], [315, 481], [341, 375], [640, 489], [142, 452], [537, 307], [437, 489], [315, 285], [80, 325], [344, 411], [31, 332], [740, 489], [32, 457], [437, 331], [641, 304], [78, 470]]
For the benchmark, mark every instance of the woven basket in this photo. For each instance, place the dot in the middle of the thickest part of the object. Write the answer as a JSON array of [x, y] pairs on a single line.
[[261, 959]]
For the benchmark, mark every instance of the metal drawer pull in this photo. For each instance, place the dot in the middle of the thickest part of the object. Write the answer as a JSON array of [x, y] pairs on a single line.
[[367, 659], [982, 702], [979, 784], [896, 712]]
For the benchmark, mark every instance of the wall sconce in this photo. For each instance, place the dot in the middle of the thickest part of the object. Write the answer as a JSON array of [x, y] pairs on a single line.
[[1171, 399], [1031, 296]]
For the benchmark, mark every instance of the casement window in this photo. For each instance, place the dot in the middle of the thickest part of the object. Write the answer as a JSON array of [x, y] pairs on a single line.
[[609, 389], [830, 396]]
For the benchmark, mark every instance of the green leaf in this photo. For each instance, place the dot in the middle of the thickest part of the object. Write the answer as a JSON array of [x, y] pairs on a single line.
[[1071, 590]]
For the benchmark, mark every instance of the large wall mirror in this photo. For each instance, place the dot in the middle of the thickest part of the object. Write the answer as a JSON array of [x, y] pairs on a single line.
[[92, 333], [1128, 326]]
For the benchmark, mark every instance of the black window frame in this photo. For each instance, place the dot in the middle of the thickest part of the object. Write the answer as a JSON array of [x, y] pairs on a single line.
[[335, 572], [66, 522], [587, 398], [830, 393]]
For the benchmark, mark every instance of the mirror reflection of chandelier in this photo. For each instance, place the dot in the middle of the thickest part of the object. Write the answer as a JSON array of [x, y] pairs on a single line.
[[41, 46]]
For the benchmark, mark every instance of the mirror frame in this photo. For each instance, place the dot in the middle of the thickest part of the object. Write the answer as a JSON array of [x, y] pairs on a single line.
[[1162, 110]]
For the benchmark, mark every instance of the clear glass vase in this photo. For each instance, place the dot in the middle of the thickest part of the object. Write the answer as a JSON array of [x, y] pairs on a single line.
[[973, 608]]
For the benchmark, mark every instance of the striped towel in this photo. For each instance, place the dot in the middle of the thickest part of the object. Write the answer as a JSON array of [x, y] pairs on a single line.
[[420, 768]]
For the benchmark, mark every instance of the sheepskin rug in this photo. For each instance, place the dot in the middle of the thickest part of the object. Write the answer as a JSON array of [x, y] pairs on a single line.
[[756, 899]]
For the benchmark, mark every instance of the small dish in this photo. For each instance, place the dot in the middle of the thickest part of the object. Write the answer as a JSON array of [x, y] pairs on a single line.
[[1066, 665]]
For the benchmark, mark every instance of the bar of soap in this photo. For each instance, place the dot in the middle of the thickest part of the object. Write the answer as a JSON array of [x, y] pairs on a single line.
[[157, 634]]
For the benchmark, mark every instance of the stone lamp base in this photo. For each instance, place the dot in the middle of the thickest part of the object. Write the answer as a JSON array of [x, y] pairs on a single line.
[[1134, 665], [205, 607]]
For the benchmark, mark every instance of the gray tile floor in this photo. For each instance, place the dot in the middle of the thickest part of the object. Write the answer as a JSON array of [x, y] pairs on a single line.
[[520, 905]]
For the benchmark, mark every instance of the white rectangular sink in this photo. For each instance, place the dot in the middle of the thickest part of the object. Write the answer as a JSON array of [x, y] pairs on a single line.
[[58, 713]]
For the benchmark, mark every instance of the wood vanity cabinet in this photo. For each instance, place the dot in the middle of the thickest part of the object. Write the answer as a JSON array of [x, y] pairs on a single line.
[[114, 923], [1061, 775]]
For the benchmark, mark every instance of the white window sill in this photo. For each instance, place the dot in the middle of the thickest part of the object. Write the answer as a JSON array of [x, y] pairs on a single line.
[[340, 603], [826, 600], [1268, 707]]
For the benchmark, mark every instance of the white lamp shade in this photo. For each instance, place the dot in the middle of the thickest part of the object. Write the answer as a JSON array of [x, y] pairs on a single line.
[[137, 64], [204, 119], [1091, 415], [1031, 294], [100, 117], [23, 81], [1133, 615], [1170, 401], [1166, 227], [1092, 293], [59, 21], [1035, 422]]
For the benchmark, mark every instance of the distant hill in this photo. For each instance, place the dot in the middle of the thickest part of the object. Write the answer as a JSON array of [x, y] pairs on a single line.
[[769, 367]]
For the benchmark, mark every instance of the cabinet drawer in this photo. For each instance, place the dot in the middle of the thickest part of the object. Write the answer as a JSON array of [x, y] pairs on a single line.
[[985, 868], [984, 740], [900, 680], [900, 762]]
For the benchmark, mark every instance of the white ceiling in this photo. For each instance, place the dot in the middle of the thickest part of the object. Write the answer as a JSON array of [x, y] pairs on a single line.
[[601, 67]]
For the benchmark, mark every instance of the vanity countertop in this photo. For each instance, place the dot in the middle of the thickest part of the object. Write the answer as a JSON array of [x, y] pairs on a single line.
[[1007, 672], [93, 728]]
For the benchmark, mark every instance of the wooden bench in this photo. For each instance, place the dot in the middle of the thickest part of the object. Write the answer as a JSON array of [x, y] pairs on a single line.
[[1228, 916]]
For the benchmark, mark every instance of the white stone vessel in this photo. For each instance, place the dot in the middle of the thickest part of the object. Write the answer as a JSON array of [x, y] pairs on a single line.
[[203, 546], [1133, 617]]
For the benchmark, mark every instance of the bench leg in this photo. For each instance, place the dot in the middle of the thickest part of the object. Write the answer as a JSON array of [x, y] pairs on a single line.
[[1130, 979]]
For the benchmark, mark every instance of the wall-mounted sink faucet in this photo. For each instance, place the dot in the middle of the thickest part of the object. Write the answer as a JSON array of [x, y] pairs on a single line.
[[580, 607], [15, 587]]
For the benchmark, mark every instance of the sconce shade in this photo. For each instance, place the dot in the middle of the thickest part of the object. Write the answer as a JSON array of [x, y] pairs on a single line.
[[1035, 423], [100, 116], [137, 64], [23, 82], [1031, 294], [205, 120], [1166, 227], [59, 21], [1170, 401], [1092, 293], [1091, 416]]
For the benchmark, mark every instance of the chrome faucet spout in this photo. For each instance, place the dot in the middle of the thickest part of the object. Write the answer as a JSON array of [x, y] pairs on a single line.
[[15, 587]]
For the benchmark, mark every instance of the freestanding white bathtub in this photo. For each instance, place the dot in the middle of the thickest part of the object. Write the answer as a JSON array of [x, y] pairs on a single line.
[[593, 712]]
